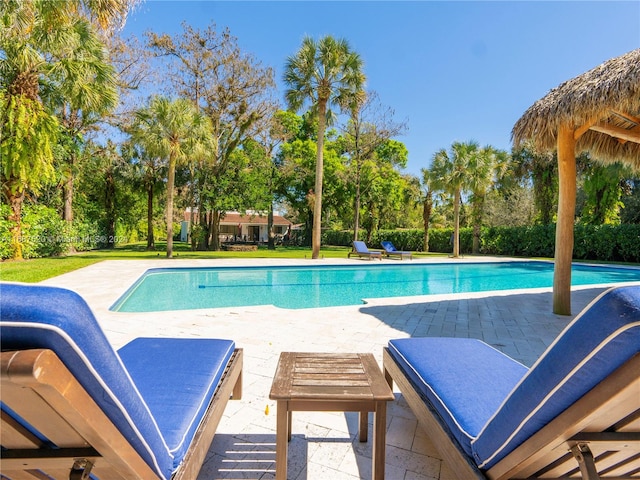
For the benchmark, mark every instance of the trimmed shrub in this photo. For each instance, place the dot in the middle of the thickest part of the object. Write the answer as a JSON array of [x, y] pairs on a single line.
[[610, 243]]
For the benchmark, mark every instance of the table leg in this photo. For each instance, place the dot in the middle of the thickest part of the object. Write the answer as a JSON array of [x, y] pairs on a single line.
[[289, 423], [379, 434], [282, 444], [364, 425]]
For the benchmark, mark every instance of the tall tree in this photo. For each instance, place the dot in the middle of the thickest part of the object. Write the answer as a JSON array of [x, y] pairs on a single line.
[[276, 130], [147, 172], [485, 165], [175, 131], [450, 172], [631, 210], [80, 93], [324, 73], [37, 40], [427, 205], [370, 125], [233, 90], [386, 193], [542, 170], [603, 186]]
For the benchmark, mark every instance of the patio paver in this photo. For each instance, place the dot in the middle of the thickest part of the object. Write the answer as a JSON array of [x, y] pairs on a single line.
[[323, 445]]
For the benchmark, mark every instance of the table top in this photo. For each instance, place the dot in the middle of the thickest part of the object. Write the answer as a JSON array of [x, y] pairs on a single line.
[[329, 376]]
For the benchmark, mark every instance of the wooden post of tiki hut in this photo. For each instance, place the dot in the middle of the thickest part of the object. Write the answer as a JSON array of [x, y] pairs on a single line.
[[597, 112]]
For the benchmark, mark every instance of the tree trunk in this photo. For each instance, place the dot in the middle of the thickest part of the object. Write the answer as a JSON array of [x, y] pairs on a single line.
[[477, 223], [171, 178], [317, 210], [271, 237], [456, 224], [356, 217], [564, 225], [110, 207], [214, 230], [426, 218], [202, 241], [151, 243], [67, 191], [15, 217]]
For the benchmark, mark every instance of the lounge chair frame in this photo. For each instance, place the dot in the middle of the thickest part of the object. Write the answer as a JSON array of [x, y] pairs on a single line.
[[598, 433], [370, 254], [38, 387], [396, 253]]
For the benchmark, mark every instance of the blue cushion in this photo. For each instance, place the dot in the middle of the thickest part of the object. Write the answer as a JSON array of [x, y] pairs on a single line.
[[388, 246], [360, 246], [598, 341], [60, 320], [177, 377], [465, 380]]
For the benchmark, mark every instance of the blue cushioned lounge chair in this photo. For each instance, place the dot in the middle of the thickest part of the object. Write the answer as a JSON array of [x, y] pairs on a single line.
[[391, 251], [361, 251], [575, 413], [72, 406]]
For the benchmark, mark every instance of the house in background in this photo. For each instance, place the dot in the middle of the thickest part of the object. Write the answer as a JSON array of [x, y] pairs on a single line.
[[250, 226]]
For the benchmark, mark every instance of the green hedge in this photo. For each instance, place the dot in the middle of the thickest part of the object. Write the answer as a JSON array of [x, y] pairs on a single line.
[[532, 241], [439, 240], [612, 243]]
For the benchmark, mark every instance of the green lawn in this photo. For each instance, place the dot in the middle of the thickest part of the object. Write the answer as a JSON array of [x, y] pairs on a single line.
[[39, 269]]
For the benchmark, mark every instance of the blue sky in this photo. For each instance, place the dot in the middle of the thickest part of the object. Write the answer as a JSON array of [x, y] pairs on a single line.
[[454, 70]]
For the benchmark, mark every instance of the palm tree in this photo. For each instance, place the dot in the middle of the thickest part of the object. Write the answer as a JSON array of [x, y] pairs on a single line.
[[450, 172], [36, 40], [427, 205], [484, 164], [542, 170], [176, 132], [325, 73], [83, 90]]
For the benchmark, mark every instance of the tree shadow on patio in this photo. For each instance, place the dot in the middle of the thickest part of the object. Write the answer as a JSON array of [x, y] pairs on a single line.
[[522, 325]]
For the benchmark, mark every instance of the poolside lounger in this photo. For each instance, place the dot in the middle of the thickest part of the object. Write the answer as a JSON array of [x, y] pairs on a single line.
[[574, 413], [72, 407], [361, 251], [391, 251]]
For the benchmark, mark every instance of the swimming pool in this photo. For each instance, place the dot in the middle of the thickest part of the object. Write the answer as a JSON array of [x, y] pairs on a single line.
[[296, 287]]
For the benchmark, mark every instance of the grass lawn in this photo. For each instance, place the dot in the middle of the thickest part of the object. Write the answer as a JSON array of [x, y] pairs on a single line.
[[38, 269]]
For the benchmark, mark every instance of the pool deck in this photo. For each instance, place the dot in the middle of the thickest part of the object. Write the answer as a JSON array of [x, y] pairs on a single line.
[[324, 445]]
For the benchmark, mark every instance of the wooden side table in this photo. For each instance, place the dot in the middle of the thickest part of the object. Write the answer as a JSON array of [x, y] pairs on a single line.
[[329, 382]]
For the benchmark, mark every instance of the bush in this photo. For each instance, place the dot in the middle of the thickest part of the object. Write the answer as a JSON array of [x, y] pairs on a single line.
[[85, 236], [5, 232], [439, 240], [45, 234], [611, 243]]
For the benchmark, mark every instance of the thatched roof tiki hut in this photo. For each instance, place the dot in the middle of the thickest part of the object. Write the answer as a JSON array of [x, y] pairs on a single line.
[[597, 112]]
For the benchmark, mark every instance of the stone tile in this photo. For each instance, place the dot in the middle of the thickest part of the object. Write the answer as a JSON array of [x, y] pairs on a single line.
[[414, 462], [324, 445], [401, 432]]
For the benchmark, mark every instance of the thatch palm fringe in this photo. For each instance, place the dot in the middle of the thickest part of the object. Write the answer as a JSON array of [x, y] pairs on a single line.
[[608, 95]]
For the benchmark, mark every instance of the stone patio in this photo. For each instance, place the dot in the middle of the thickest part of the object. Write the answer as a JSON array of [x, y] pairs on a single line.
[[324, 445]]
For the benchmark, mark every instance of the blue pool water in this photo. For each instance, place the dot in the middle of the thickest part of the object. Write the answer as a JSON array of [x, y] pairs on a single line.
[[324, 286]]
